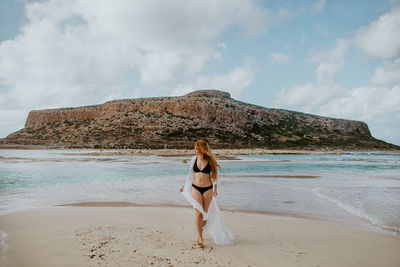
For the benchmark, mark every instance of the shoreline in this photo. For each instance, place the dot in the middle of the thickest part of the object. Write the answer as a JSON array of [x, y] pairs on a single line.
[[366, 226], [360, 224], [184, 154], [85, 236], [175, 152]]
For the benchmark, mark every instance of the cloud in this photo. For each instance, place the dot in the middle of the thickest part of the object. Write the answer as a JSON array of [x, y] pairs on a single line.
[[162, 67], [317, 7], [279, 58], [233, 82], [331, 55], [327, 97], [222, 45], [364, 103], [381, 38], [75, 48], [80, 52], [379, 106], [283, 15], [378, 102], [330, 61], [389, 73], [307, 96], [326, 70]]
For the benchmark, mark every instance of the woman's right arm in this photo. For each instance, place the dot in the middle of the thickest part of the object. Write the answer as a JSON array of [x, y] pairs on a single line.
[[190, 169]]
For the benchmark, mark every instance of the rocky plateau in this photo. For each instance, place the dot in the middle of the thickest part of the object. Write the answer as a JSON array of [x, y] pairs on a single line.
[[176, 122]]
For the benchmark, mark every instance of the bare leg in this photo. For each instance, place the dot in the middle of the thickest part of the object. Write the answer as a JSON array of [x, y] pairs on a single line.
[[207, 197], [203, 224], [199, 216], [198, 223]]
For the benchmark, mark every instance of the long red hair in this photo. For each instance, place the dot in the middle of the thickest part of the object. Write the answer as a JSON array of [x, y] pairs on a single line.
[[204, 149]]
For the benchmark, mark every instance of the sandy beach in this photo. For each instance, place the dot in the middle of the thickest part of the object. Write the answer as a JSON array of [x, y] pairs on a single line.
[[123, 235]]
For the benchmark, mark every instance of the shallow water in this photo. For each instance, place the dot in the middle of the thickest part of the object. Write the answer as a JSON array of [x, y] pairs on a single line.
[[359, 187]]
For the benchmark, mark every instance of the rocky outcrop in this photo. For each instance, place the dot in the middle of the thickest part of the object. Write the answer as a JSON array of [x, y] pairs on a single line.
[[176, 122]]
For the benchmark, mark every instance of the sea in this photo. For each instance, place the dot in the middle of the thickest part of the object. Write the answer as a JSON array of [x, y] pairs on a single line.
[[360, 188]]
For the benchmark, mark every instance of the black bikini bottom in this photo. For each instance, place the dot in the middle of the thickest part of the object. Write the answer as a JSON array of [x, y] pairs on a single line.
[[202, 190]]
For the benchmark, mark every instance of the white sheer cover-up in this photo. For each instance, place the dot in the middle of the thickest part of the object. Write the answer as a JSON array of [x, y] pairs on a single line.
[[215, 225]]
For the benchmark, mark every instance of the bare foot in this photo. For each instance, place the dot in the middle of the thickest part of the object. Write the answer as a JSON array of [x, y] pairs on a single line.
[[200, 242]]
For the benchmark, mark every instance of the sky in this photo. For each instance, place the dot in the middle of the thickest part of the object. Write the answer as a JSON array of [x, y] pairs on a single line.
[[331, 58]]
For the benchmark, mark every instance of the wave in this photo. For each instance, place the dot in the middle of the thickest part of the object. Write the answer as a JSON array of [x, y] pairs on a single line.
[[271, 176], [352, 208]]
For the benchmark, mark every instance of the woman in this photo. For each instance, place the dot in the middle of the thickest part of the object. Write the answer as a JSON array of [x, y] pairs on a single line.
[[200, 189]]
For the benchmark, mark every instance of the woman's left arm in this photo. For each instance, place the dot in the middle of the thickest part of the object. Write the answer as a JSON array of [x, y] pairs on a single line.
[[215, 182]]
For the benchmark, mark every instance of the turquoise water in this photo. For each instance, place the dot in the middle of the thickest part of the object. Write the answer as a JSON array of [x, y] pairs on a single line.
[[360, 187]]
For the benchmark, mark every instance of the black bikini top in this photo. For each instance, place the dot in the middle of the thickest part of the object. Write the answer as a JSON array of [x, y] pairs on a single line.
[[207, 168]]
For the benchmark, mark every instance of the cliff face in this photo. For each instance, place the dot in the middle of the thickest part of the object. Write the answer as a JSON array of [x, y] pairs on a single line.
[[176, 122]]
